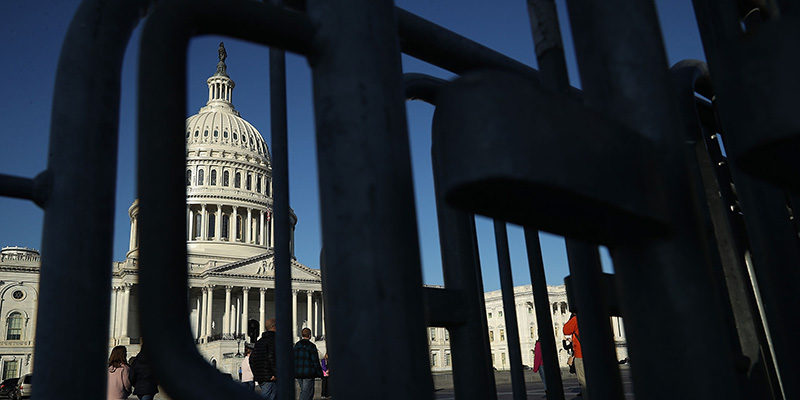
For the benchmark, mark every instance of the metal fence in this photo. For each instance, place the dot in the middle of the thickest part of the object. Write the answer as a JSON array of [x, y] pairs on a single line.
[[703, 243]]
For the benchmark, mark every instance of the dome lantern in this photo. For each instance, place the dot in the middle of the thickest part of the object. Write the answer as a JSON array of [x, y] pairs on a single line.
[[220, 86]]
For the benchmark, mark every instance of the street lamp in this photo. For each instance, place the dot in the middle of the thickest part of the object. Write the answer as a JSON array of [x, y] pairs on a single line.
[[238, 343]]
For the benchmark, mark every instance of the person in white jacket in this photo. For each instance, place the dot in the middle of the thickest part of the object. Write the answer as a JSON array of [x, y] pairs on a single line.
[[247, 373]]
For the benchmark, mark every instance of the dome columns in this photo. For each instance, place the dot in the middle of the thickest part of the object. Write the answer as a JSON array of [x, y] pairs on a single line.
[[220, 222]]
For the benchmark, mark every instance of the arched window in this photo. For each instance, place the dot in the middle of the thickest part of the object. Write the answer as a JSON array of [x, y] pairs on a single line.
[[201, 174], [249, 181], [14, 326], [188, 177], [213, 177], [211, 225], [237, 183], [258, 183], [225, 180], [239, 227], [225, 229]]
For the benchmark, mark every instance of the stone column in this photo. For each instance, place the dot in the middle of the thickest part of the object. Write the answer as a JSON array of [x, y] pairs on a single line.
[[322, 314], [218, 224], [261, 228], [249, 226], [191, 221], [209, 309], [245, 319], [309, 316], [125, 309], [294, 313], [201, 317], [114, 313], [203, 222], [316, 328], [271, 230], [226, 322], [261, 310], [132, 244], [234, 228]]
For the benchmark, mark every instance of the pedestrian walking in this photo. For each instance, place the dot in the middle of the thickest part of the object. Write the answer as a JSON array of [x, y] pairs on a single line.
[[306, 365], [325, 375], [247, 373], [119, 384], [571, 328], [142, 378], [537, 363], [262, 361]]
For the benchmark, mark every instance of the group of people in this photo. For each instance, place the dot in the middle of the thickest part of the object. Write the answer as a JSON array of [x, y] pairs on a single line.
[[134, 377], [575, 361], [259, 365]]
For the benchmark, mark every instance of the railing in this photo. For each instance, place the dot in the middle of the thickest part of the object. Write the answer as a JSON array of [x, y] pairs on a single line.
[[632, 162]]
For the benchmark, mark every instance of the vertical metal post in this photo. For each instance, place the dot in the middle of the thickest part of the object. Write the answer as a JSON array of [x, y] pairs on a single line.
[[596, 337], [585, 267], [773, 241], [664, 282], [373, 279], [78, 222], [510, 310], [547, 340], [473, 377], [280, 182]]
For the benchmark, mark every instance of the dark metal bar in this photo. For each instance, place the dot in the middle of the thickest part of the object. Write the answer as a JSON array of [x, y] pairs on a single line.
[[443, 48], [510, 310], [280, 184], [709, 170], [422, 87], [473, 377], [36, 189], [541, 301], [365, 178], [596, 337], [162, 105], [750, 105], [583, 260], [443, 307], [82, 178], [654, 274]]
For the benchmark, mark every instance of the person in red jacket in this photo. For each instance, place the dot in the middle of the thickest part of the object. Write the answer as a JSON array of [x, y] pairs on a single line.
[[571, 328]]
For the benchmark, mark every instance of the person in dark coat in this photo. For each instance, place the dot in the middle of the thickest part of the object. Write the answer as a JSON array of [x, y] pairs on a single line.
[[306, 365], [142, 378], [262, 361]]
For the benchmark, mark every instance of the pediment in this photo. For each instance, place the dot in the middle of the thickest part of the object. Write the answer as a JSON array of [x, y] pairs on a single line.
[[263, 265]]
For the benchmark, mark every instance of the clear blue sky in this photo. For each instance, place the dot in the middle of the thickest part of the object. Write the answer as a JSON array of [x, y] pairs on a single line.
[[32, 33]]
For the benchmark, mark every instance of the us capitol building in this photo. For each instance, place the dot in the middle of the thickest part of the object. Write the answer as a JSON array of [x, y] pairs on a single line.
[[230, 246], [230, 241]]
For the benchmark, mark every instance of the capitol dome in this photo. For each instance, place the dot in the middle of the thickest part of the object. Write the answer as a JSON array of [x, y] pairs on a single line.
[[228, 180]]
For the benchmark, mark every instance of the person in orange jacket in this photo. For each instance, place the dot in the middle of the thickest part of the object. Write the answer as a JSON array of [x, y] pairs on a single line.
[[571, 328]]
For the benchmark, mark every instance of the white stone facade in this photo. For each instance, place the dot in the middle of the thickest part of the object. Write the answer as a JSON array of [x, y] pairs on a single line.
[[19, 296], [528, 329]]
